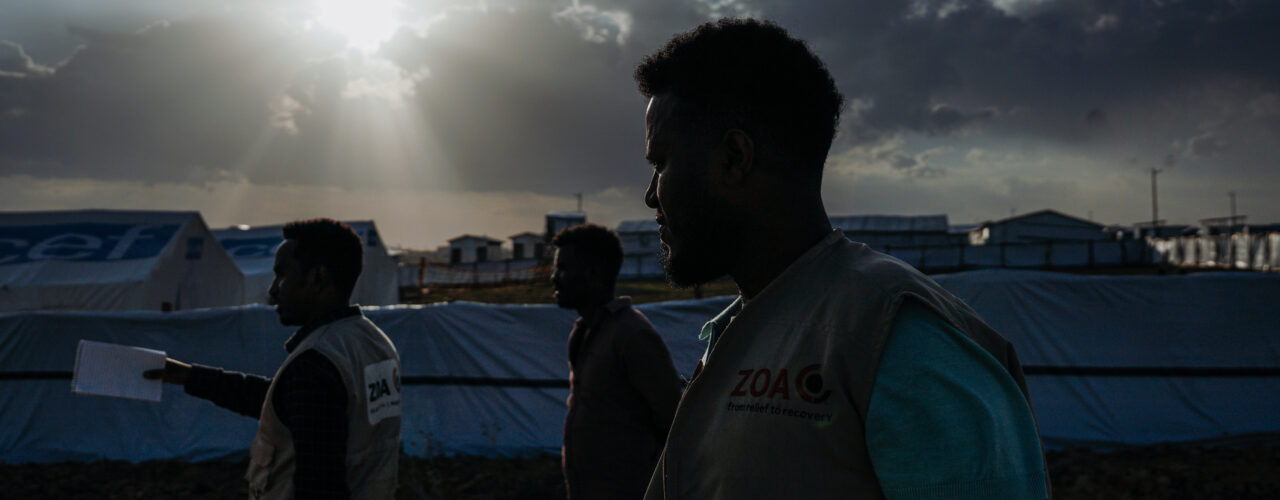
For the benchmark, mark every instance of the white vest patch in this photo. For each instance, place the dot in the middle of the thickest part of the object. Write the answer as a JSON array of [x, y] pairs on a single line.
[[382, 388]]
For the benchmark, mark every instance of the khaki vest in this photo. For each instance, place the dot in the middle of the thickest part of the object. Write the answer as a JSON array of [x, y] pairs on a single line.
[[370, 369], [778, 409]]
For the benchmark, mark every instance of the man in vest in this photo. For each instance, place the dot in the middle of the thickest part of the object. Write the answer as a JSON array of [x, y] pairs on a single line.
[[329, 420], [839, 372], [623, 387]]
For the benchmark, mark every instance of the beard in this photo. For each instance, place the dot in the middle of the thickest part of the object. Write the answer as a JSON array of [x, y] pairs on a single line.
[[704, 245], [566, 301]]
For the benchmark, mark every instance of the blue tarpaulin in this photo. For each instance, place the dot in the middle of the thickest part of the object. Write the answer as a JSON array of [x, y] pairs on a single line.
[[1110, 360]]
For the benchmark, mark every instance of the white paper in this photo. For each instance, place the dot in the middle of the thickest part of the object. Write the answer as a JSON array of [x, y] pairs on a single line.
[[116, 370]]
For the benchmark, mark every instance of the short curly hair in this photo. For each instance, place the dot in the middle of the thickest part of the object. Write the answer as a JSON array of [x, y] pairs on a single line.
[[751, 75], [596, 241], [328, 243]]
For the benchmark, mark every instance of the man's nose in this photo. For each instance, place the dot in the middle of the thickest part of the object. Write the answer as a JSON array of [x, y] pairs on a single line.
[[651, 194]]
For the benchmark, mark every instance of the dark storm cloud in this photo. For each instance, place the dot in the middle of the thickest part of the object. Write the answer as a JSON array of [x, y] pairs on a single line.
[[535, 106], [15, 63], [1043, 67], [1206, 145], [539, 97], [175, 101], [533, 97]]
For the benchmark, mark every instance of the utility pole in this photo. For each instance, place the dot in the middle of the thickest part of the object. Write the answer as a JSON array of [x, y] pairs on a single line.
[[1155, 206], [1232, 224], [579, 195]]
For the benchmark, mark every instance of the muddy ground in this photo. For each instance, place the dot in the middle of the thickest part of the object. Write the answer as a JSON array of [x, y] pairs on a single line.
[[1152, 472]]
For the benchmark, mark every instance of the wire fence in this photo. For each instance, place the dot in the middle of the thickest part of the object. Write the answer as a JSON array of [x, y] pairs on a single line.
[[1046, 254], [473, 273], [1259, 252]]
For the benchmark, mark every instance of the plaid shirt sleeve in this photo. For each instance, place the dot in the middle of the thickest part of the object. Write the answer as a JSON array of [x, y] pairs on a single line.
[[311, 401]]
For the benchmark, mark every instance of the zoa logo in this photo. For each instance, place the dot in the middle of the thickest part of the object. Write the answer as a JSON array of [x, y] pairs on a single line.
[[767, 383]]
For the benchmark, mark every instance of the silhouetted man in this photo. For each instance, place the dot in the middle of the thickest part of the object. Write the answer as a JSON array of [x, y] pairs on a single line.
[[329, 420], [623, 387], [839, 372]]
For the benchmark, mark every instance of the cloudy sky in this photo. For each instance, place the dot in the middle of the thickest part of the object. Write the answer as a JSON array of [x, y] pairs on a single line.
[[438, 118]]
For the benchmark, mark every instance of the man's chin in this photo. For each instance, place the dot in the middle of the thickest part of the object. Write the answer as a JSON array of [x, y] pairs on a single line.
[[682, 271], [285, 319]]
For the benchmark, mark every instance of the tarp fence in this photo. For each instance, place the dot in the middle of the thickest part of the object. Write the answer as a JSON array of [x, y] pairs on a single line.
[[1118, 360]]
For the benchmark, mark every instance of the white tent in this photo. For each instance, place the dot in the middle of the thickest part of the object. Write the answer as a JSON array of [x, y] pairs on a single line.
[[253, 249], [113, 260]]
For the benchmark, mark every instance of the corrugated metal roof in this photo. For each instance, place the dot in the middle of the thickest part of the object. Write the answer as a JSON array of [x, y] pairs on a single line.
[[1047, 214], [474, 237], [891, 223], [526, 233], [638, 226]]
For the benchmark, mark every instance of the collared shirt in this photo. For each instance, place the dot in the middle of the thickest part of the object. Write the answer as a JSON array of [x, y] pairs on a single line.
[[310, 400], [623, 393]]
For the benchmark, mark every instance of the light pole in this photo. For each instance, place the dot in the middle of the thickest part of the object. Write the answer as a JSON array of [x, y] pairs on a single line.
[[1155, 205], [1232, 225]]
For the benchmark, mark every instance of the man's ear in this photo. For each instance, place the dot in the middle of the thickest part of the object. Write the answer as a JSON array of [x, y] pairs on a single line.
[[738, 156], [318, 275]]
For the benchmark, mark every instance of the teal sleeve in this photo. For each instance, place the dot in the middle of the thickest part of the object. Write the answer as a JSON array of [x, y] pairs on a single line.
[[946, 420]]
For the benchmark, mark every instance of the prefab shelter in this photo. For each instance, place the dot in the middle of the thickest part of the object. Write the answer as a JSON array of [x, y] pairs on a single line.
[[527, 245], [883, 232], [469, 248], [253, 249], [113, 260], [641, 244], [560, 220], [1039, 226]]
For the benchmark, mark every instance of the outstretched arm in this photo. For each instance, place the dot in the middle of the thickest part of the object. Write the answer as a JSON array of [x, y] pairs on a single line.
[[242, 393]]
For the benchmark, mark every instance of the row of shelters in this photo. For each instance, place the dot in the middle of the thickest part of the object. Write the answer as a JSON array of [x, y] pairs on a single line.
[[149, 260], [641, 243], [1043, 239]]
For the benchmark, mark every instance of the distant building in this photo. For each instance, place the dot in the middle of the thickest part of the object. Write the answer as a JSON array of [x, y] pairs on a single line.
[[469, 248], [559, 221], [1043, 225], [1234, 225], [958, 234], [1144, 229], [888, 231], [641, 244], [527, 245], [639, 237]]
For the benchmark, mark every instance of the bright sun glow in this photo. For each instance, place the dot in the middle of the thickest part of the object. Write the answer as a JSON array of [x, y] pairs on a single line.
[[364, 23]]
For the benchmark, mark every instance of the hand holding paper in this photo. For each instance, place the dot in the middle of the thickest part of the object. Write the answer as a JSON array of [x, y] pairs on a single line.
[[174, 372], [115, 370]]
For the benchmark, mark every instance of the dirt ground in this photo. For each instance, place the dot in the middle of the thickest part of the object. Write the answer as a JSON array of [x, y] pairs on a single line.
[[1152, 472]]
